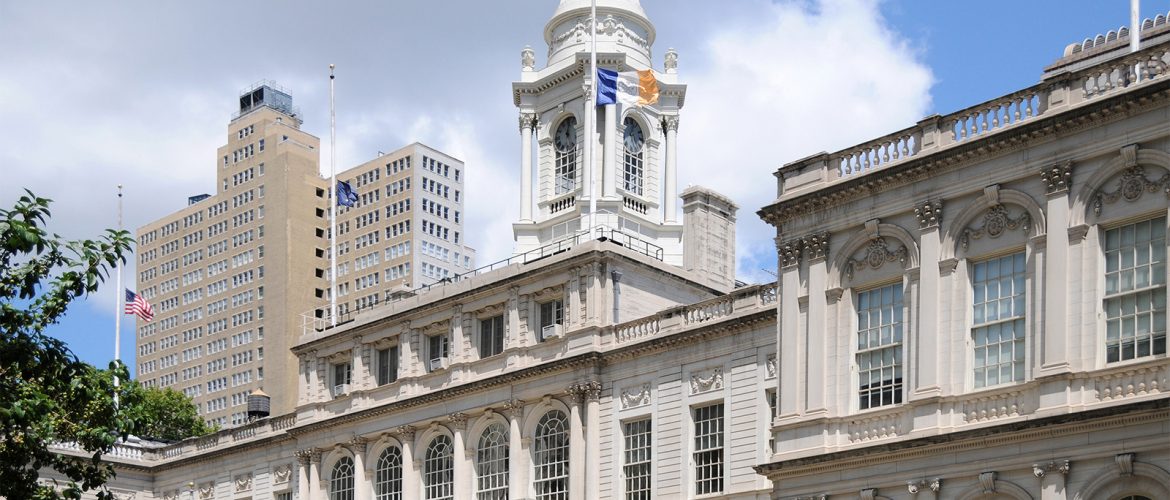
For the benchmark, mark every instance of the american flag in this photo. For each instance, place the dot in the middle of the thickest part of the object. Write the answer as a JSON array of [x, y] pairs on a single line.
[[137, 305]]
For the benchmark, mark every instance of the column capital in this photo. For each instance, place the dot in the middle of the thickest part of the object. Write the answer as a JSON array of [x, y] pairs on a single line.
[[514, 408], [304, 456], [406, 433], [527, 120], [1057, 178], [357, 444], [670, 123], [815, 247], [458, 420], [929, 214], [789, 252]]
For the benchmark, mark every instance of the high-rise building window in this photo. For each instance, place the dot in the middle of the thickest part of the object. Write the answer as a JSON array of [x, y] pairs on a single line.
[[708, 451], [550, 457], [879, 346], [438, 470], [491, 463], [388, 476], [1135, 290], [387, 365], [998, 319], [633, 141], [636, 462], [565, 143], [341, 480], [491, 336]]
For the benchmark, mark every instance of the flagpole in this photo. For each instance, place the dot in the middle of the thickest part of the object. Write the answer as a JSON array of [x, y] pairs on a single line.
[[332, 204], [118, 293], [592, 106], [1135, 35]]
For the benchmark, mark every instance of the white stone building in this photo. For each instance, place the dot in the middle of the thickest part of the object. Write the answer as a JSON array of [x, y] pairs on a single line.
[[975, 306]]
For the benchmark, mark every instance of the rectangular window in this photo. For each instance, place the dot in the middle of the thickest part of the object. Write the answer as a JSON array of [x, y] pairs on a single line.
[[636, 466], [771, 396], [998, 319], [437, 349], [708, 453], [551, 313], [491, 336], [1135, 290], [387, 365], [342, 373], [879, 346]]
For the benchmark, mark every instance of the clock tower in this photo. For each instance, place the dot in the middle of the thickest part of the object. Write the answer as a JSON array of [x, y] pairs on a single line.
[[624, 161]]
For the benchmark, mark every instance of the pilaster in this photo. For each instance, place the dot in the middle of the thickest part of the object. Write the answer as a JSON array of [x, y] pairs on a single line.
[[788, 341], [1054, 333], [576, 445], [815, 248], [670, 187], [411, 480], [926, 352], [357, 445], [517, 454], [462, 462], [609, 152], [527, 123]]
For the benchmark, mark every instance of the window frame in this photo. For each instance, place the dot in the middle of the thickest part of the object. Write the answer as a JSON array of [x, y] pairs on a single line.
[[898, 384], [1152, 290], [386, 365], [491, 339], [645, 467], [712, 457]]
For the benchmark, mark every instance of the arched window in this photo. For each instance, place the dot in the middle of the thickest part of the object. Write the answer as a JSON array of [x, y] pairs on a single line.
[[565, 144], [438, 467], [388, 476], [341, 480], [491, 463], [633, 140], [551, 457]]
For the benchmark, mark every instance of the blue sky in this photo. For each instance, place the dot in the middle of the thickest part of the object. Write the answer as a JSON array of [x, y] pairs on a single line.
[[97, 95]]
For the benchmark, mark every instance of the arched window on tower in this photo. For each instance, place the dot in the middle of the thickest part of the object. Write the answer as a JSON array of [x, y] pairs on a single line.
[[438, 470], [633, 140], [341, 480], [388, 476], [565, 143], [491, 463], [551, 457]]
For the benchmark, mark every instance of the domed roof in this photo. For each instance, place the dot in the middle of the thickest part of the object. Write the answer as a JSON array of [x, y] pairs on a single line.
[[633, 6]]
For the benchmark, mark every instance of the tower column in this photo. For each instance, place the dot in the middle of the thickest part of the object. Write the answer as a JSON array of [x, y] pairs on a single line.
[[670, 183], [609, 165], [527, 120]]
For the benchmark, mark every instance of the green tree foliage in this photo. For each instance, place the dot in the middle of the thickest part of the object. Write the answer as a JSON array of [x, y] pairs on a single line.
[[166, 414], [47, 395]]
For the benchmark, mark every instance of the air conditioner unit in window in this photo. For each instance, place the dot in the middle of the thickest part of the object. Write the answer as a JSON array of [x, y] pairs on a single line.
[[340, 390], [551, 332], [438, 363]]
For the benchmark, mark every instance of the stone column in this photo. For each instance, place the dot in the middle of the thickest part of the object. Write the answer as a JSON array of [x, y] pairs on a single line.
[[527, 120], [927, 354], [815, 248], [610, 149], [669, 178], [313, 391], [576, 445], [461, 469], [303, 473], [411, 480], [592, 390], [517, 452], [788, 342], [361, 485], [513, 337], [315, 492], [1055, 329], [406, 357], [360, 372], [458, 353], [573, 306]]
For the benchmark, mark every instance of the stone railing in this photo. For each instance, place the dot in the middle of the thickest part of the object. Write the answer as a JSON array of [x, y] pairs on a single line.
[[742, 301], [1060, 92], [565, 203]]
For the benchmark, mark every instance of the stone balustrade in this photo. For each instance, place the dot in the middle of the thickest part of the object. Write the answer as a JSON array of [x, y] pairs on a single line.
[[740, 302], [1060, 93]]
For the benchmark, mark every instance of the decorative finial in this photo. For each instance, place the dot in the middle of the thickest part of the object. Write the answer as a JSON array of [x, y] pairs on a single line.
[[527, 59], [670, 64], [331, 66]]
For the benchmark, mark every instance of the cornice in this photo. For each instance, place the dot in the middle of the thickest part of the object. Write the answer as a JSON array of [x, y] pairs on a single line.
[[1096, 113]]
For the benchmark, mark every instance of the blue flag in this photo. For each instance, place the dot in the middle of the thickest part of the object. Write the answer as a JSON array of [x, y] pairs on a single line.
[[346, 196], [606, 86]]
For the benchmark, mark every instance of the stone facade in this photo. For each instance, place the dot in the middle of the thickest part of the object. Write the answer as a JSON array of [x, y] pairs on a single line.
[[975, 307]]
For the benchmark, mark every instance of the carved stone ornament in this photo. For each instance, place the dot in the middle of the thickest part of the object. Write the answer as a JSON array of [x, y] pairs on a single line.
[[915, 486], [770, 366], [929, 214], [207, 490], [1057, 178], [670, 61], [243, 482], [304, 456], [995, 222], [527, 121], [877, 254], [171, 495], [789, 253], [711, 381], [458, 420], [1132, 185], [358, 444], [1124, 463], [633, 398], [514, 408], [816, 246], [527, 59], [406, 433], [935, 484], [867, 494], [670, 123], [282, 473], [987, 482]]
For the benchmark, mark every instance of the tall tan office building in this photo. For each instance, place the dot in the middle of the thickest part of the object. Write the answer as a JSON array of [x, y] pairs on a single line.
[[234, 275]]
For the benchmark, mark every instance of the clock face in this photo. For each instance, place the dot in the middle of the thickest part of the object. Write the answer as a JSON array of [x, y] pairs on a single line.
[[566, 137], [633, 136]]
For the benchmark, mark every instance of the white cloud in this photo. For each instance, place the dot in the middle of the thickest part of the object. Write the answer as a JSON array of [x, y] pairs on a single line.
[[802, 77]]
